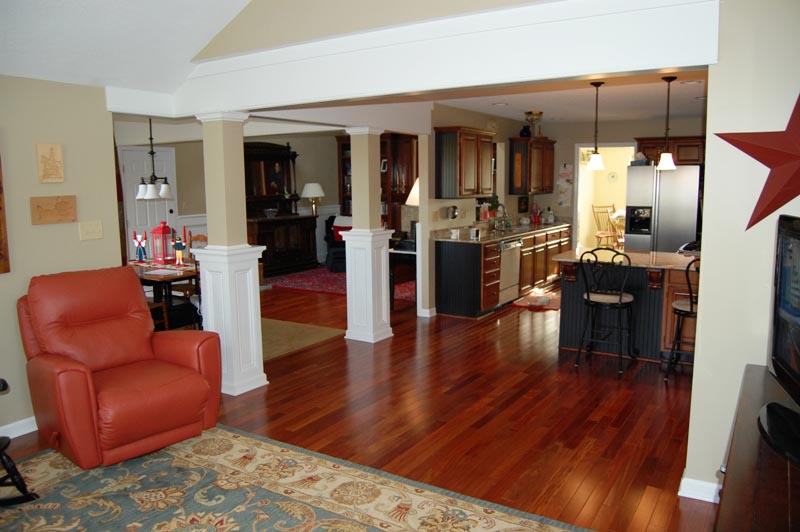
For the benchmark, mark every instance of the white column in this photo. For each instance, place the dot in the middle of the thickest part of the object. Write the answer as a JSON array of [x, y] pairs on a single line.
[[367, 244], [229, 266], [231, 306], [367, 284]]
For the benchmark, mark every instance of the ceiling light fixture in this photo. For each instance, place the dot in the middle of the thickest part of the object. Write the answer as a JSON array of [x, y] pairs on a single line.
[[596, 160], [147, 189], [666, 162]]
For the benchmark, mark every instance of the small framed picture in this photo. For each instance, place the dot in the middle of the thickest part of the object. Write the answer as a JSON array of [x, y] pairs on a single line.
[[522, 204], [50, 158]]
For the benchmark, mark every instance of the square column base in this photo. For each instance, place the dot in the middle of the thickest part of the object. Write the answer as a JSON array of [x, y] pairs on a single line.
[[367, 284], [231, 306]]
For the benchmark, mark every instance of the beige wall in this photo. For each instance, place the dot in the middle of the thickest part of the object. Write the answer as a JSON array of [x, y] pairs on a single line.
[[752, 88], [33, 112], [269, 24], [190, 177]]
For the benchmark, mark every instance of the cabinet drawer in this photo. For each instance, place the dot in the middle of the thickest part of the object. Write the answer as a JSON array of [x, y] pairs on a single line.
[[678, 277], [539, 239], [490, 296], [490, 277], [491, 250], [527, 242], [491, 264], [553, 235], [565, 233]]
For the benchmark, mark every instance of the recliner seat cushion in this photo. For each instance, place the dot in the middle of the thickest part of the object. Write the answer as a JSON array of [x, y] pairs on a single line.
[[146, 398]]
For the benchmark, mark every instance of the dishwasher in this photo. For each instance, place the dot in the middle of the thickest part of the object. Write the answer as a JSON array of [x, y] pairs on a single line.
[[509, 269]]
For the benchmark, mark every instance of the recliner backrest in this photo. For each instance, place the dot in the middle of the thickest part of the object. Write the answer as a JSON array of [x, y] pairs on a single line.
[[97, 317]]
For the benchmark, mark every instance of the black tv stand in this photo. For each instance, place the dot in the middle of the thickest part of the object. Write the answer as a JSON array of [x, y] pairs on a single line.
[[780, 426]]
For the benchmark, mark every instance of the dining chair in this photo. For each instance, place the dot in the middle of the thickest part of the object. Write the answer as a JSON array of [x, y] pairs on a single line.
[[606, 231]]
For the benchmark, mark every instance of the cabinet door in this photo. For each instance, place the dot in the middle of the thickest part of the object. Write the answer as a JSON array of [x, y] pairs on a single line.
[[537, 178], [540, 265], [553, 249], [651, 148], [518, 167], [675, 289], [486, 169], [688, 151], [547, 167], [468, 164], [526, 271]]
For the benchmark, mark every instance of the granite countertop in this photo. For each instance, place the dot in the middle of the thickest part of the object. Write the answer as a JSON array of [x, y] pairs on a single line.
[[485, 236], [640, 259]]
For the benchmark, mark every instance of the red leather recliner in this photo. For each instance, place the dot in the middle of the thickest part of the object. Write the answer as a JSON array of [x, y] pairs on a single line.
[[104, 386]]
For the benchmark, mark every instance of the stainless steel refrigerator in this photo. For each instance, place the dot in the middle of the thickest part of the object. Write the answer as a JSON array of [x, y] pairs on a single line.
[[661, 210]]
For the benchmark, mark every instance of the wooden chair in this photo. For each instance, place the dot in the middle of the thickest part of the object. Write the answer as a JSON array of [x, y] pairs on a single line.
[[191, 288], [606, 232]]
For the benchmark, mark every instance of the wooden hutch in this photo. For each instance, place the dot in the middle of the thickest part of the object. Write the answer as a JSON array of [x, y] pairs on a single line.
[[272, 219]]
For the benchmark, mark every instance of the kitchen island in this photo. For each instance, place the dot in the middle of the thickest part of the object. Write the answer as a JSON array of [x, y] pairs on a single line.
[[656, 280], [477, 275]]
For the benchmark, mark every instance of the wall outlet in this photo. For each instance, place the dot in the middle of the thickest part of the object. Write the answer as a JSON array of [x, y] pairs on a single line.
[[91, 230]]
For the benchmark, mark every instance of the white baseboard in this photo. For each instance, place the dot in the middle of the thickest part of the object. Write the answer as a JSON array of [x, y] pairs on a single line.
[[426, 312], [700, 490], [18, 428]]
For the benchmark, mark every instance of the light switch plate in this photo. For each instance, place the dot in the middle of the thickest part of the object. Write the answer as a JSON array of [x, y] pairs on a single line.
[[90, 230]]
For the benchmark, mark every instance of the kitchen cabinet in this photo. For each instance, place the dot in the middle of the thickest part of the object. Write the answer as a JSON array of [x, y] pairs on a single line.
[[531, 165], [398, 171], [685, 150], [674, 289], [464, 162], [468, 272]]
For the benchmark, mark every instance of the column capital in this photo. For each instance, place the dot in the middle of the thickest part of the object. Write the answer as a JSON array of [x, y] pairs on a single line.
[[365, 130], [227, 116]]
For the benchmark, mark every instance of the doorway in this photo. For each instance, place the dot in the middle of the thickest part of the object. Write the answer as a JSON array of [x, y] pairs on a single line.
[[600, 187]]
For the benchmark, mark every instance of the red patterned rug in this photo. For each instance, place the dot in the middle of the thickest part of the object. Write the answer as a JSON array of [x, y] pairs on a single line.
[[322, 280]]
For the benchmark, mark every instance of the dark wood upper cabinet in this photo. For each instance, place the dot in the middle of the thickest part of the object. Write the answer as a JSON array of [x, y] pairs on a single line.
[[464, 162], [685, 150], [531, 165]]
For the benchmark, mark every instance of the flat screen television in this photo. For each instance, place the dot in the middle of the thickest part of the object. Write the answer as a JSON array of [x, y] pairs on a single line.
[[780, 422]]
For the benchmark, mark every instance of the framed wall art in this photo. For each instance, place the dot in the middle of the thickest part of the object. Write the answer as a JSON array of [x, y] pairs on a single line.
[[50, 158]]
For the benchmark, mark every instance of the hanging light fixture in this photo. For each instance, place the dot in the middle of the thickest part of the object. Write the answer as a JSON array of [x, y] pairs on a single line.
[[666, 162], [151, 190], [596, 160]]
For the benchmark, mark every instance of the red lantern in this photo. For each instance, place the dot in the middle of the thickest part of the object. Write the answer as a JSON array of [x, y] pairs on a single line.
[[160, 237]]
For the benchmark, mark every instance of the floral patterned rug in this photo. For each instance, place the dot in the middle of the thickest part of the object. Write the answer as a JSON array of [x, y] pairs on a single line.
[[227, 480], [323, 280]]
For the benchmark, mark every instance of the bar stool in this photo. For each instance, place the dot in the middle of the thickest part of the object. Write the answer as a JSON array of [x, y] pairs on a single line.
[[605, 299], [682, 308], [12, 476]]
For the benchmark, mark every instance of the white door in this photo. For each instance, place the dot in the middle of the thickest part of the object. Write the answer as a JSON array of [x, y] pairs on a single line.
[[141, 216]]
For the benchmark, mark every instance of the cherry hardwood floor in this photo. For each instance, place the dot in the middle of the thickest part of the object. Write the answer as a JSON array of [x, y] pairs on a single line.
[[487, 408]]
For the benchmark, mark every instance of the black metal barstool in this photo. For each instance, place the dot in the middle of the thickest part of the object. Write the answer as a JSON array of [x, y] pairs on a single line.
[[605, 273], [682, 308], [12, 477]]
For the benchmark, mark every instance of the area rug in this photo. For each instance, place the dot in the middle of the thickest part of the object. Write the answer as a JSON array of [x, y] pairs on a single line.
[[539, 300], [282, 337], [324, 280], [228, 480]]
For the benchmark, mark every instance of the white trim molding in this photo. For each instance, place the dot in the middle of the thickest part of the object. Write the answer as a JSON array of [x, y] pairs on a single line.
[[19, 428], [232, 307], [363, 130], [229, 116], [700, 490], [367, 252]]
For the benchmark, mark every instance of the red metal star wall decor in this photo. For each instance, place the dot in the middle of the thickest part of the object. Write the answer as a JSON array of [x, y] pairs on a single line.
[[780, 151]]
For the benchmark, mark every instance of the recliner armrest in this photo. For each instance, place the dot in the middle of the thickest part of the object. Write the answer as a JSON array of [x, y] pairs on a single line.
[[198, 350], [65, 406]]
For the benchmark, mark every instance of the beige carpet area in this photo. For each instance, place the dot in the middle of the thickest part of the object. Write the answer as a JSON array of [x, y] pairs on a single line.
[[282, 337]]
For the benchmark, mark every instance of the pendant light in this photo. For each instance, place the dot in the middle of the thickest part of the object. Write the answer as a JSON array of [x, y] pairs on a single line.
[[596, 160], [666, 162], [150, 190]]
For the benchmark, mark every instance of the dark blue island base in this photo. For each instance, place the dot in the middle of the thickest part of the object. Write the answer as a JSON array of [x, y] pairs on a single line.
[[646, 282]]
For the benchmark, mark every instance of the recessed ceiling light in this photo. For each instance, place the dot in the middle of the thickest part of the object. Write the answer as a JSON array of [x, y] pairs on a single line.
[[691, 82], [500, 104]]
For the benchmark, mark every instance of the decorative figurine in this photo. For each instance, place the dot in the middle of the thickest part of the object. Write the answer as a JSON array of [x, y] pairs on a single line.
[[140, 241], [179, 245]]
